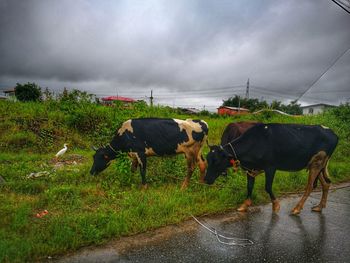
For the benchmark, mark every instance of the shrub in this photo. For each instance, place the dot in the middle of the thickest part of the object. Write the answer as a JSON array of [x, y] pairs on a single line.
[[28, 92]]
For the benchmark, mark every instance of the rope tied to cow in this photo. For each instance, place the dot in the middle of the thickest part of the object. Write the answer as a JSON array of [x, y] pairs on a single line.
[[230, 241], [236, 162]]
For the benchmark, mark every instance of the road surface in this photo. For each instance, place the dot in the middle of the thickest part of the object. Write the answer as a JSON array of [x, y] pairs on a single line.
[[309, 237]]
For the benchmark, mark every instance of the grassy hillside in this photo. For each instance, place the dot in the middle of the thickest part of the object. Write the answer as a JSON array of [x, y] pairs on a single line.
[[85, 210]]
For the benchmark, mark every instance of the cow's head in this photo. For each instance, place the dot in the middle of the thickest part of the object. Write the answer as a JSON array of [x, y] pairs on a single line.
[[218, 161], [102, 158]]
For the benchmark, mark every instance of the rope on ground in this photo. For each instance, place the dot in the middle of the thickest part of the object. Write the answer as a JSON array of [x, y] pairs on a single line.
[[231, 241]]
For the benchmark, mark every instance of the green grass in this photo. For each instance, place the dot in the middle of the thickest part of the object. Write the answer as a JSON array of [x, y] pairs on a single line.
[[86, 210]]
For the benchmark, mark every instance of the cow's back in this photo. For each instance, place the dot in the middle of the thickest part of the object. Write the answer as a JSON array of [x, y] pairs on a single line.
[[162, 136], [236, 129]]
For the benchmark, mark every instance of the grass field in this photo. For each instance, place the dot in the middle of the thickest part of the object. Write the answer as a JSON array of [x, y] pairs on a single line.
[[85, 210]]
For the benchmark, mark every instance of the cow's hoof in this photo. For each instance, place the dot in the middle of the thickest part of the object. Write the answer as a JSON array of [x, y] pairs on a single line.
[[244, 206], [276, 206], [317, 208], [295, 211]]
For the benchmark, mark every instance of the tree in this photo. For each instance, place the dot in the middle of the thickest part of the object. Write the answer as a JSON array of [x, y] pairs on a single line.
[[250, 104], [276, 105], [64, 95], [28, 92], [75, 96], [294, 108], [48, 95]]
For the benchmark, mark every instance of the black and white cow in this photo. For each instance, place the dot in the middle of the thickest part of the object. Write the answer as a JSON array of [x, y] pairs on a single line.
[[145, 137], [271, 147]]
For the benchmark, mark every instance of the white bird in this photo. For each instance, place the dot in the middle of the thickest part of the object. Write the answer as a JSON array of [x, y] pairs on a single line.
[[62, 151]]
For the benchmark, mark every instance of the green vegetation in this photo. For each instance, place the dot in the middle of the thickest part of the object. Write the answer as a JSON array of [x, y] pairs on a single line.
[[28, 92], [85, 210]]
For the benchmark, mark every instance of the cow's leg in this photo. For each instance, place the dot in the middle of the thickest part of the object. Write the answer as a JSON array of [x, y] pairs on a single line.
[[313, 173], [134, 164], [315, 167], [202, 165], [191, 161], [269, 176], [248, 202], [141, 157], [325, 182], [134, 161]]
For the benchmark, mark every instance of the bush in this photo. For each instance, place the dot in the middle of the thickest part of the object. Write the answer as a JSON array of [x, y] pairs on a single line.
[[28, 92]]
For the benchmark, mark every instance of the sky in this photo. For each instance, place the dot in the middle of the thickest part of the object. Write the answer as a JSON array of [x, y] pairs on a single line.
[[190, 53]]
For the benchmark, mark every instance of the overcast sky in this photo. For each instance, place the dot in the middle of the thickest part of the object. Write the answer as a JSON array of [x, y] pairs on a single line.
[[189, 52]]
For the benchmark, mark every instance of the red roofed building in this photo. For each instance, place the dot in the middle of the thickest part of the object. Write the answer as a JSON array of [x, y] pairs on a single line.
[[118, 98], [110, 99], [226, 110]]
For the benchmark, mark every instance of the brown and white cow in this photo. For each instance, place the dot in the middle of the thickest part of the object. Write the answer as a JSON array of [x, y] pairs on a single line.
[[145, 137]]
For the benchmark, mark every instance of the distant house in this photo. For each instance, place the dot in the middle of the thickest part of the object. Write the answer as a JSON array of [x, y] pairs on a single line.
[[8, 94], [109, 100], [315, 108], [226, 110]]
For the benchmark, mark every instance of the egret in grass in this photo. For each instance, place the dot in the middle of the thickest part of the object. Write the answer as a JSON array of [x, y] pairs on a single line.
[[62, 151]]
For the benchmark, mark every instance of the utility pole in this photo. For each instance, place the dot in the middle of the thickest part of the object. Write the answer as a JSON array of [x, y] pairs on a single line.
[[247, 90], [239, 104], [151, 98]]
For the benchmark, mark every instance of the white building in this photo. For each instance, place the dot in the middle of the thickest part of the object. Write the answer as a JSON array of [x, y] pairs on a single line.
[[315, 108]]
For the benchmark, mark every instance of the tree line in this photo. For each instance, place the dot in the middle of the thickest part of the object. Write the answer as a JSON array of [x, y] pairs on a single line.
[[254, 104], [32, 92]]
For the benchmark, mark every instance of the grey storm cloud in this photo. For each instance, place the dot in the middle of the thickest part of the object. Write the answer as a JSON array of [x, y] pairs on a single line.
[[174, 47]]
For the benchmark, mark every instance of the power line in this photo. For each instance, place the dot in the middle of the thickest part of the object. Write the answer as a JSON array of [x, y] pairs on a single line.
[[258, 88], [314, 82], [342, 5], [247, 90]]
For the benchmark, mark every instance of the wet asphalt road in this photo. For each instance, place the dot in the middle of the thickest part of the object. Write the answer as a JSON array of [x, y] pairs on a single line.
[[309, 237]]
